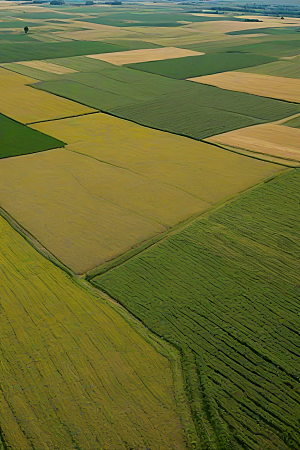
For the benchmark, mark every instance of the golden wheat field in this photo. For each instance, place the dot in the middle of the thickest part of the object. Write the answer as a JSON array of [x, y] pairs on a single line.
[[74, 374], [269, 138], [150, 54], [252, 83], [26, 104], [47, 67]]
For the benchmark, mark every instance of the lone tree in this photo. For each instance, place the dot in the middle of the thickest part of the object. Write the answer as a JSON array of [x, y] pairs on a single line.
[[26, 29]]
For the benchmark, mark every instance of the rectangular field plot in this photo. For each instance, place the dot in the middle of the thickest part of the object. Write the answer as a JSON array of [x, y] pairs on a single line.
[[225, 290], [135, 56], [256, 84], [193, 66], [287, 69], [206, 111], [17, 139], [47, 67], [68, 360], [26, 104], [269, 139], [44, 50]]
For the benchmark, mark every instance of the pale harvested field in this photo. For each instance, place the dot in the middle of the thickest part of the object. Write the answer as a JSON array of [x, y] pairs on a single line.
[[94, 32], [150, 54], [74, 373], [225, 26], [263, 85], [47, 67], [208, 173], [270, 139], [82, 229], [26, 104]]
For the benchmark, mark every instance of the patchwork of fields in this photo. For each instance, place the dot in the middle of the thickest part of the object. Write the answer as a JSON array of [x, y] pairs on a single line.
[[226, 292], [149, 227]]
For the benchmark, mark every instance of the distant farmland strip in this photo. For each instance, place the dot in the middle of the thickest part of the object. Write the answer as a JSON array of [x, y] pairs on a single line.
[[225, 291], [14, 52], [288, 69], [17, 139], [74, 374], [193, 66]]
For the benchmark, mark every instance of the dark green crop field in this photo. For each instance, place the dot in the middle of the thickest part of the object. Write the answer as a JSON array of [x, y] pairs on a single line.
[[205, 111], [272, 31], [17, 37], [44, 50], [196, 66], [294, 123], [17, 139], [275, 49], [18, 24], [225, 291]]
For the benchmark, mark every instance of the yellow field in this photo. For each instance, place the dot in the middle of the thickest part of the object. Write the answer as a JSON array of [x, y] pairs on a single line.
[[150, 54], [226, 26], [47, 67], [74, 374], [26, 104], [263, 85], [270, 139]]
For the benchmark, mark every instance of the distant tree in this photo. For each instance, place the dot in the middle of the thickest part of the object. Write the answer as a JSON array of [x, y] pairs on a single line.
[[89, 2], [282, 17], [26, 29]]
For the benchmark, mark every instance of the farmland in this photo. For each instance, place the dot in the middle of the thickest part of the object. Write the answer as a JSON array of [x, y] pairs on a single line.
[[194, 66], [64, 352], [25, 104], [257, 84], [149, 226], [17, 139], [271, 139], [225, 291]]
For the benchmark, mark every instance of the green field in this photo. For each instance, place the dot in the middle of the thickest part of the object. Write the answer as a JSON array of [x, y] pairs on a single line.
[[225, 291], [196, 66], [20, 37], [17, 139], [288, 69], [41, 15], [18, 24], [272, 31], [46, 50], [29, 71], [275, 49], [294, 123], [206, 111]]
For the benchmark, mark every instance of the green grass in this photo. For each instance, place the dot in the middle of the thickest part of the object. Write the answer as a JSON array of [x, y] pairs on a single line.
[[82, 63], [193, 66], [132, 44], [111, 88], [41, 15], [275, 31], [294, 123], [17, 139], [274, 48], [18, 24], [46, 50], [287, 69], [225, 292], [20, 37], [205, 111]]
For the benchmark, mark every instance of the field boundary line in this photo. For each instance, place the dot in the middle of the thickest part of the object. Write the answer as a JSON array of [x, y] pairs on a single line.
[[152, 242], [62, 118], [35, 243], [162, 347]]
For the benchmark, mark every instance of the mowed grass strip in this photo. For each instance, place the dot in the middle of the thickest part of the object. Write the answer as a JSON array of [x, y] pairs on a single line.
[[26, 104], [17, 139], [69, 360], [256, 84], [225, 290], [193, 66], [46, 50], [270, 139]]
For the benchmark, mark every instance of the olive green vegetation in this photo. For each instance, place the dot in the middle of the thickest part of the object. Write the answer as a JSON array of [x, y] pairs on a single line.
[[288, 68], [182, 107], [41, 15], [225, 292], [195, 66], [82, 64], [205, 111], [273, 48], [17, 139], [43, 50], [294, 123], [18, 24], [131, 19], [276, 31], [132, 44], [20, 37]]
